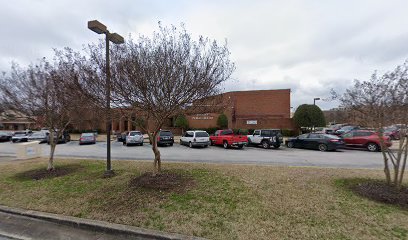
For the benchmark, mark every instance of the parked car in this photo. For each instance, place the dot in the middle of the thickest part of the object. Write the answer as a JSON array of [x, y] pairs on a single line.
[[5, 136], [133, 138], [345, 129], [394, 131], [87, 138], [322, 142], [165, 137], [333, 128], [20, 136], [365, 139], [195, 139], [64, 138], [266, 138], [40, 136], [227, 138]]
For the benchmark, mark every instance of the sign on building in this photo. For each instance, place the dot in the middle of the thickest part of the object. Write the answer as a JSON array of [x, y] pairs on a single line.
[[204, 116], [252, 122]]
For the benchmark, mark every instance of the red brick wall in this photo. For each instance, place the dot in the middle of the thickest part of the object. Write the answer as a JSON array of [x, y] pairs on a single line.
[[274, 103], [270, 109]]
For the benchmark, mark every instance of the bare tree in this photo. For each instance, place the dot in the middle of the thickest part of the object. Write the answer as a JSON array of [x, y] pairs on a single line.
[[379, 102], [45, 92], [159, 78]]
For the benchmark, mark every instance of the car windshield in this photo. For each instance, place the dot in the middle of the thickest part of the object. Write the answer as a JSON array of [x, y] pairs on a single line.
[[165, 133], [227, 132], [135, 133], [87, 134], [201, 134]]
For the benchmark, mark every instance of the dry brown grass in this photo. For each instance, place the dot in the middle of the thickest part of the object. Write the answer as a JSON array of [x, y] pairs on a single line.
[[227, 201]]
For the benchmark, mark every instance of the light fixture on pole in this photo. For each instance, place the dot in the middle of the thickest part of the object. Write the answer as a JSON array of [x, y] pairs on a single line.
[[100, 28]]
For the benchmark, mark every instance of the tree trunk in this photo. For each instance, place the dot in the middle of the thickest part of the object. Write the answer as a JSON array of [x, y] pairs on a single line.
[[386, 169], [52, 151], [157, 160], [404, 162], [383, 149]]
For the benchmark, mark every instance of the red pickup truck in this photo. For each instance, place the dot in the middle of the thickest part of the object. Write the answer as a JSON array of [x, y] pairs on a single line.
[[227, 138]]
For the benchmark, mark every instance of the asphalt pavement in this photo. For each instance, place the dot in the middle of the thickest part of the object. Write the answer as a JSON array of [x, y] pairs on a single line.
[[345, 158]]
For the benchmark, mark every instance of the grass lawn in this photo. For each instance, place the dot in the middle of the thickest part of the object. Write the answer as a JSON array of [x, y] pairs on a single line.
[[217, 202]]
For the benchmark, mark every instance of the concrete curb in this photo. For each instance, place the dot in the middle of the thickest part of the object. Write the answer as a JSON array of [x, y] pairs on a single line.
[[99, 226]]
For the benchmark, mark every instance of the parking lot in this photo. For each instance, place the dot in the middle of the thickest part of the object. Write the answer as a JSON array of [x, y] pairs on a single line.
[[345, 158]]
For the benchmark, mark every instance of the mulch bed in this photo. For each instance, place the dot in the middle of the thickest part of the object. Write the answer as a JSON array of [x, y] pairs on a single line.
[[166, 181], [381, 192], [43, 173]]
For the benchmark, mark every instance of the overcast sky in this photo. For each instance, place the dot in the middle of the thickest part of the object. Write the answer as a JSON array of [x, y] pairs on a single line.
[[308, 46]]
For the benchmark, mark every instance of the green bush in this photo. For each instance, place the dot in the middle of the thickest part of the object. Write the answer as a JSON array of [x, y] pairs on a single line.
[[181, 122], [222, 121], [309, 116]]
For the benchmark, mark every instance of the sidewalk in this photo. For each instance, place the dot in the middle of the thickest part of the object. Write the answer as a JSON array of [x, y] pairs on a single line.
[[25, 224]]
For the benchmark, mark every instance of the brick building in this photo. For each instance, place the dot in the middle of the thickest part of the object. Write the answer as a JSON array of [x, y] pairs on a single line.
[[249, 110], [244, 110]]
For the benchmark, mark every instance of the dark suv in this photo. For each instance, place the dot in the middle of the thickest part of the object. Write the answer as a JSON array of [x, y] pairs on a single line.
[[165, 137]]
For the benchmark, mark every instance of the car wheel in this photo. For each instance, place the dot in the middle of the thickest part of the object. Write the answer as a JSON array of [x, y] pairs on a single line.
[[289, 144], [141, 144], [372, 147], [225, 144], [265, 144], [124, 143], [276, 146], [240, 146], [190, 145], [322, 147], [171, 144], [212, 143]]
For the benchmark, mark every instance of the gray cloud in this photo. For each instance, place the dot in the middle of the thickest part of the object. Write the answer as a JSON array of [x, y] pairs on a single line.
[[308, 46]]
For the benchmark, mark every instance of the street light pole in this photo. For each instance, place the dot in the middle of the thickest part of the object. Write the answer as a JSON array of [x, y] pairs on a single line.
[[314, 100], [99, 28], [109, 170]]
